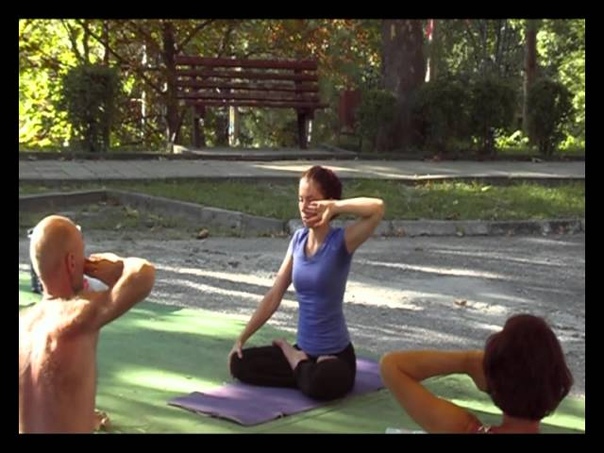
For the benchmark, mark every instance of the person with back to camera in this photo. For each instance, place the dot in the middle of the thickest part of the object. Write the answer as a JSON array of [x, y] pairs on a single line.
[[522, 368], [58, 336], [322, 362]]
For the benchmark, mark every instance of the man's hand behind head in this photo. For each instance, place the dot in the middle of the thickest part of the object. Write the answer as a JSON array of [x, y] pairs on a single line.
[[106, 267]]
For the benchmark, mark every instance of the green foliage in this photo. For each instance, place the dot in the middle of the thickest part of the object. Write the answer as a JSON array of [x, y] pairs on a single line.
[[561, 45], [40, 125], [441, 110], [324, 127], [549, 110], [348, 51], [88, 96], [271, 128], [436, 200], [516, 140], [449, 111], [45, 53], [494, 102], [478, 47], [377, 107]]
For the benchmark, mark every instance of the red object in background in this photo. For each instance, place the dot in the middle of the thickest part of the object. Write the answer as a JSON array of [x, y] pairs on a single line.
[[347, 110], [430, 29]]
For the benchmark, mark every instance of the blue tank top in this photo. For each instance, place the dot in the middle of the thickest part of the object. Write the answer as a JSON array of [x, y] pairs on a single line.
[[320, 283]]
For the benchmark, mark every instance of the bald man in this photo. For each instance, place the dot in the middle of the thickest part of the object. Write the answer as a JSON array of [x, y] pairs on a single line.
[[58, 336]]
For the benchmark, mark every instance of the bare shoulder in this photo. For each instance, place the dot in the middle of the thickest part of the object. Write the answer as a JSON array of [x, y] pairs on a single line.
[[80, 314], [28, 317], [62, 317]]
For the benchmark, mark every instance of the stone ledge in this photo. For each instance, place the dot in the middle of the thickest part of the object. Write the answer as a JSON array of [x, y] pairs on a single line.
[[249, 225]]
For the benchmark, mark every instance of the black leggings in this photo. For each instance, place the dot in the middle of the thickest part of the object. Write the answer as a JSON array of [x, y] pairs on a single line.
[[326, 380]]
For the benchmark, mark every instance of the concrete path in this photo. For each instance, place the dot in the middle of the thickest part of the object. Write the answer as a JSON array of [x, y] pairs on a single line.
[[86, 170], [211, 166]]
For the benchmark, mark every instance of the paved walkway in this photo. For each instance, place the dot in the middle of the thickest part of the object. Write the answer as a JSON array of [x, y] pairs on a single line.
[[56, 171], [80, 170]]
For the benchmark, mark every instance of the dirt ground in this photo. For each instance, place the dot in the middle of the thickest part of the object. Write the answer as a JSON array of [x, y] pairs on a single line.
[[402, 293]]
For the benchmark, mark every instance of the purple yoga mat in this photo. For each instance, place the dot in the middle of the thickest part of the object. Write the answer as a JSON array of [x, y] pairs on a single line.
[[251, 405]]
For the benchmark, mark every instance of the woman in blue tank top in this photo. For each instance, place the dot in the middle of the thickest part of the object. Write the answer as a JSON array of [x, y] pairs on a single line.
[[322, 362]]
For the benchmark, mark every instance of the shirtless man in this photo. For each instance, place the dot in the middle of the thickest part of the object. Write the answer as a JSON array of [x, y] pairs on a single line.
[[58, 336]]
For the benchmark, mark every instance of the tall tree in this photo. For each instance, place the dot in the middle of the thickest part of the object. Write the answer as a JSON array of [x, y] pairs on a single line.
[[403, 72], [530, 66], [432, 48]]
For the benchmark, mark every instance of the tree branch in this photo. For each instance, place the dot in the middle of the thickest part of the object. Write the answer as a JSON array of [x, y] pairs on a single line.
[[139, 72], [72, 39], [191, 35], [475, 45]]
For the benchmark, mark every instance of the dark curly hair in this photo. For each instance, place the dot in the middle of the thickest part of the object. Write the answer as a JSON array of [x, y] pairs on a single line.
[[331, 186], [525, 369]]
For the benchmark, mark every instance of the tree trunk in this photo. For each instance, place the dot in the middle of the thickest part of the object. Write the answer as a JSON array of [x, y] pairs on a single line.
[[86, 43], [221, 127], [432, 35], [403, 72], [234, 126], [105, 42], [530, 68], [106, 126], [171, 102]]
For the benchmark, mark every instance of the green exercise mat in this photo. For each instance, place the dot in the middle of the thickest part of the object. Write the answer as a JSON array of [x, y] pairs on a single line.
[[156, 352]]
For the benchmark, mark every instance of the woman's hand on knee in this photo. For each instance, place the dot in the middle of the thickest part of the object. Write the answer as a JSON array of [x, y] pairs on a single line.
[[235, 350]]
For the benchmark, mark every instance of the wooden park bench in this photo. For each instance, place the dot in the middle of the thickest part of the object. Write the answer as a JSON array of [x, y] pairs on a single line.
[[203, 82]]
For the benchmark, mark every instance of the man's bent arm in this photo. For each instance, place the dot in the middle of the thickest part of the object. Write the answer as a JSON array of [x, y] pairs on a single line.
[[133, 286]]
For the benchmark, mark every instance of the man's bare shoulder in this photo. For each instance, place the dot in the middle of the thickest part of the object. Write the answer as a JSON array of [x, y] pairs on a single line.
[[28, 316], [61, 316]]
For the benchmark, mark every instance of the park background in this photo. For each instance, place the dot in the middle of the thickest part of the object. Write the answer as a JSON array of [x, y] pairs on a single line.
[[451, 88]]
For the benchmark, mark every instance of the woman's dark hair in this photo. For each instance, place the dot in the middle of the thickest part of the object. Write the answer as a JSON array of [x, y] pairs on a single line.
[[330, 184], [525, 369]]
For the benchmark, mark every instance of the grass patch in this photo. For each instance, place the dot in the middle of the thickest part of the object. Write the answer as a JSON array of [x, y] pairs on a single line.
[[116, 218], [431, 201]]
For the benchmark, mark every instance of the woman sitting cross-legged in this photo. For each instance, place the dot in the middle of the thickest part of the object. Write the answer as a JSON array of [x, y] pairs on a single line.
[[322, 362]]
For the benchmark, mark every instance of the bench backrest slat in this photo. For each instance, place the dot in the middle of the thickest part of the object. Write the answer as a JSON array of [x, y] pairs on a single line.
[[220, 82], [209, 74], [271, 87], [207, 62], [309, 97], [256, 103]]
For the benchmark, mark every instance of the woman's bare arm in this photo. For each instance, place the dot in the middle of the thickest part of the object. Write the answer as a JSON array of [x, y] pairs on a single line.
[[403, 372], [271, 300]]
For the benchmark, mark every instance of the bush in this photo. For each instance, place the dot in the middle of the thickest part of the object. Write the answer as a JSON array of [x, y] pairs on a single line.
[[493, 108], [549, 110], [88, 96], [441, 114], [376, 110]]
